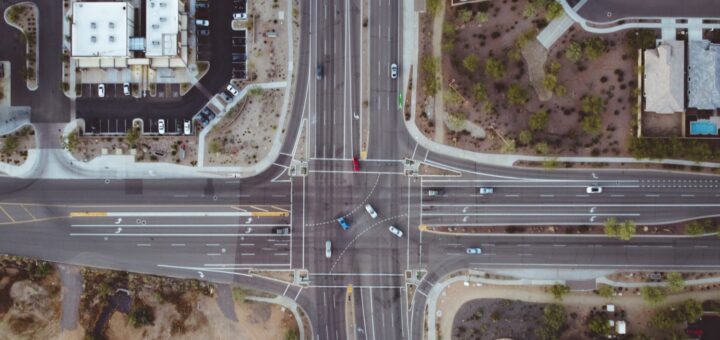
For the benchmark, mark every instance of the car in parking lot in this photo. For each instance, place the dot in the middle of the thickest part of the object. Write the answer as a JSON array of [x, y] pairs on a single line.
[[202, 22], [238, 57], [161, 126], [209, 113], [126, 89], [393, 70], [370, 210], [204, 32], [395, 231], [227, 96], [202, 4], [240, 16], [486, 190], [343, 223], [186, 127], [101, 90], [202, 119], [473, 251], [328, 249], [594, 189], [232, 90]]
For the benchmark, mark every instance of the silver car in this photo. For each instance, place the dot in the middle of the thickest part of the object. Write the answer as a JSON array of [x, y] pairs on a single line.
[[395, 231], [370, 210], [328, 249]]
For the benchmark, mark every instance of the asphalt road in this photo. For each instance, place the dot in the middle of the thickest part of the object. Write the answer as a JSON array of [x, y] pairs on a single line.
[[605, 11], [219, 230]]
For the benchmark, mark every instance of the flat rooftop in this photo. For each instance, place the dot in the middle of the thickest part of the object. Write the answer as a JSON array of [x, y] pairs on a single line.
[[162, 25], [100, 29]]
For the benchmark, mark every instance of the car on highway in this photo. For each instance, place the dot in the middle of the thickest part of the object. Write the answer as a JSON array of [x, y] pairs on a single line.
[[101, 90], [486, 190], [281, 230], [202, 22], [240, 16], [161, 126], [356, 164], [393, 71], [593, 189], [126, 89], [343, 223], [370, 210], [232, 90], [473, 251], [187, 127], [318, 72], [395, 231], [435, 192], [328, 249]]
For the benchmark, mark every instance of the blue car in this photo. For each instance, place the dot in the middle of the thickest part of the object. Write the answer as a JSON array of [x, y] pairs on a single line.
[[343, 223]]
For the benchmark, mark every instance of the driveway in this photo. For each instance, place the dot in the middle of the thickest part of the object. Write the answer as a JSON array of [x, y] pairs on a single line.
[[605, 11]]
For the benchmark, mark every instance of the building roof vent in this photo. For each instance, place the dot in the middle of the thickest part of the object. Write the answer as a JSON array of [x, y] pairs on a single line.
[[111, 25], [93, 39], [163, 19], [156, 43], [155, 26], [93, 25], [163, 4], [111, 38]]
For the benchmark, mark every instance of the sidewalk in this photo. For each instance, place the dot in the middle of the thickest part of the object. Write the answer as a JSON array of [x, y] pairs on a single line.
[[287, 303]]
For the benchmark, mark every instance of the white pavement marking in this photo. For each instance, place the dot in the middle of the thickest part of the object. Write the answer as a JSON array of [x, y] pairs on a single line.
[[298, 293], [229, 225], [175, 235], [203, 269], [372, 314]]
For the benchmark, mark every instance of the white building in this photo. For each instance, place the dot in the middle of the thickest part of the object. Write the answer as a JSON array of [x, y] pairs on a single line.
[[703, 75], [664, 78], [103, 34]]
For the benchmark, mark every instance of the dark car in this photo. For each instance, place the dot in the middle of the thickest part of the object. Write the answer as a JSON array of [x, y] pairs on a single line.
[[238, 57], [318, 72], [211, 115], [204, 32], [202, 4], [200, 118]]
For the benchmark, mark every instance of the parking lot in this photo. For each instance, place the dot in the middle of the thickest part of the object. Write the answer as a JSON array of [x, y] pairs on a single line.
[[118, 126], [239, 55], [167, 91]]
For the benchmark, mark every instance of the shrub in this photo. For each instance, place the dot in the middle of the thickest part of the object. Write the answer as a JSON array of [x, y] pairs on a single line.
[[542, 148], [517, 95], [653, 295], [553, 322], [471, 63], [591, 123], [558, 291], [554, 11], [479, 92], [594, 48], [599, 325], [574, 51], [141, 315], [605, 291], [592, 104], [525, 137], [429, 70], [539, 120], [675, 282], [433, 6], [495, 68], [456, 121]]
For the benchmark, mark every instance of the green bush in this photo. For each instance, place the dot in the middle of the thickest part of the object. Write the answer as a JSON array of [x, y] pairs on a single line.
[[471, 63], [559, 291], [495, 68], [574, 51], [599, 325], [525, 137], [591, 123], [539, 120], [553, 321], [517, 95], [429, 67], [594, 48], [479, 92], [653, 295], [675, 282]]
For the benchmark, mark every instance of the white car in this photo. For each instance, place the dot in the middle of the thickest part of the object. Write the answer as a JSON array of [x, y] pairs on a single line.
[[126, 89], [232, 90], [593, 190], [161, 126], [101, 90], [186, 127], [240, 16], [202, 22], [486, 191], [370, 210], [473, 251], [393, 70], [397, 232], [328, 249]]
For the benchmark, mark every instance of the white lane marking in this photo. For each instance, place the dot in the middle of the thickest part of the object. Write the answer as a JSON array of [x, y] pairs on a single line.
[[247, 254], [143, 244], [203, 269], [213, 254], [652, 195], [372, 314], [231, 225], [529, 214], [177, 244], [175, 235], [182, 213]]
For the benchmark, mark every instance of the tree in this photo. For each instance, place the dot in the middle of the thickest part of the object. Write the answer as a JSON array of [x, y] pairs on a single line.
[[699, 227], [574, 51], [10, 145], [495, 68], [599, 324], [517, 95], [541, 148], [591, 123], [429, 71], [456, 121], [675, 282], [558, 291], [479, 92], [653, 295], [553, 322], [594, 48], [554, 11], [627, 230], [452, 99], [539, 120], [611, 227], [132, 135], [72, 143], [471, 63], [606, 291], [525, 137], [464, 15], [560, 90], [592, 104], [550, 82], [481, 17]]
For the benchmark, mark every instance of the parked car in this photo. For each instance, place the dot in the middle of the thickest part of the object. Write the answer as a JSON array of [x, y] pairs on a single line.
[[202, 22], [370, 210], [593, 189], [486, 190], [328, 249], [126, 89], [395, 231], [238, 57], [240, 16], [101, 90], [356, 164], [232, 90], [393, 71], [204, 32], [186, 127], [202, 4], [343, 223], [473, 251], [161, 126], [281, 230], [202, 119], [210, 114], [227, 96]]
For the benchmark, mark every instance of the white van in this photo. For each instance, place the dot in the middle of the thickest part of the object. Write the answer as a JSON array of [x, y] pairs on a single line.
[[328, 249]]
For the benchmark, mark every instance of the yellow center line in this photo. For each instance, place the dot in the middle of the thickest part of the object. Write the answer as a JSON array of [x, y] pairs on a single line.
[[88, 214], [269, 213]]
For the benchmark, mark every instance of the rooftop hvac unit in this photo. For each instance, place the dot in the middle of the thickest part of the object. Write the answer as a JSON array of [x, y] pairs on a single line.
[[93, 39], [111, 25], [93, 25], [111, 38], [163, 19], [155, 26], [156, 43], [163, 4]]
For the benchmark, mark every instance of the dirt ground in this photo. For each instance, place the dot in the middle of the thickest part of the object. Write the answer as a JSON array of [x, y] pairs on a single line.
[[268, 40], [23, 139], [245, 135], [168, 149], [577, 305], [610, 76], [29, 300]]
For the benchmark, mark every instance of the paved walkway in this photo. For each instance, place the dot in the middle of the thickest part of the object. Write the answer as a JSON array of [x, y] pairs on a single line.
[[554, 30], [13, 118], [72, 287], [703, 281], [287, 303], [438, 112], [224, 299]]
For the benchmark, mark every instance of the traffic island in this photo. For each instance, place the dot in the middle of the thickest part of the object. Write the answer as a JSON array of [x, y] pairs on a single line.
[[23, 16]]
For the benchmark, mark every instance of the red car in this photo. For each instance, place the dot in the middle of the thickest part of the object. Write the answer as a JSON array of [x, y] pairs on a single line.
[[356, 164]]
